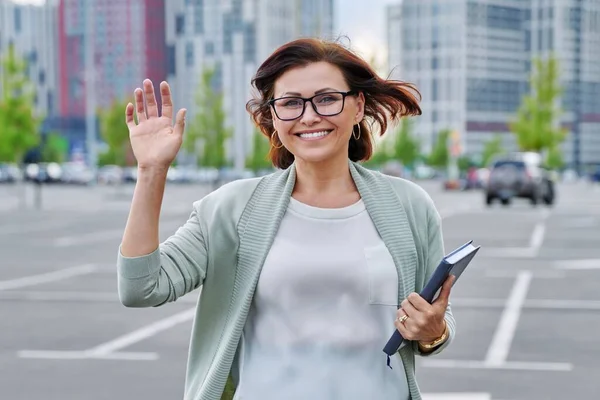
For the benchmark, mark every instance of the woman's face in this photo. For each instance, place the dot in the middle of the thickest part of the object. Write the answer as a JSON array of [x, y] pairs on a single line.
[[312, 137]]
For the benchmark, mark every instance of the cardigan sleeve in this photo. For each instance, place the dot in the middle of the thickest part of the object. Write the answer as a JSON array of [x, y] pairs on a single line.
[[175, 268], [434, 253]]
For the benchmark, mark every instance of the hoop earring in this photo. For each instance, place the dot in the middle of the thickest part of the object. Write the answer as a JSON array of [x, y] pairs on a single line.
[[276, 147], [354, 136]]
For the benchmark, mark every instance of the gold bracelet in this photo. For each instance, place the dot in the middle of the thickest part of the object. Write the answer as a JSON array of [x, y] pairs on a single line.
[[438, 341]]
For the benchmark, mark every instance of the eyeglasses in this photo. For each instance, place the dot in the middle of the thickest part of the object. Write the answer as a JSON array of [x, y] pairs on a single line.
[[325, 104]]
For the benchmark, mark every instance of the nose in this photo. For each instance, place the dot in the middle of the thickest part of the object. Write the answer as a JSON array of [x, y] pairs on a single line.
[[309, 116]]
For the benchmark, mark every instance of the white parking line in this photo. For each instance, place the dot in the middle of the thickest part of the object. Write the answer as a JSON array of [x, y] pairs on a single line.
[[32, 227], [109, 350], [116, 234], [88, 238], [192, 298], [77, 296], [82, 355], [500, 346], [456, 396], [511, 365], [142, 333], [535, 243], [537, 238], [48, 277], [578, 264]]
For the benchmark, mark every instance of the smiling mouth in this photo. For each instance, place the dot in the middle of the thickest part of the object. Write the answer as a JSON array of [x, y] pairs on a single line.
[[314, 135]]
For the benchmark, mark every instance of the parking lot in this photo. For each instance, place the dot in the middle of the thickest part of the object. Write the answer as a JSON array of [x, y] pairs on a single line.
[[527, 309]]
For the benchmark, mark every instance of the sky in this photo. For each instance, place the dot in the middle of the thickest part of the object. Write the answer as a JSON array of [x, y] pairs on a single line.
[[363, 21]]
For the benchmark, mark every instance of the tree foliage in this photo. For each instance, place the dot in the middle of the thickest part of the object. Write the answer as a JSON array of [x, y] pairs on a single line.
[[536, 123], [440, 156], [406, 147], [258, 158], [554, 158], [115, 134], [491, 148], [208, 126], [54, 148], [19, 126]]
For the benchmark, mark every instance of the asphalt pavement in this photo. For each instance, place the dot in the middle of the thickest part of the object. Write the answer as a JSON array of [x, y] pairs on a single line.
[[527, 309]]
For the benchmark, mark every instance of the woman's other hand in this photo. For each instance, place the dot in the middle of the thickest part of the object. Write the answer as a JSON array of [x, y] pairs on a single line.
[[424, 322], [155, 140]]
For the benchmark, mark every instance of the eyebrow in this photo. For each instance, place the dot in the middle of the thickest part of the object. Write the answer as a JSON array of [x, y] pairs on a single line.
[[327, 89]]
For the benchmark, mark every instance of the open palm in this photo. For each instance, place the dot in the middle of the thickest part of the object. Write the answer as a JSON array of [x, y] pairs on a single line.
[[155, 140]]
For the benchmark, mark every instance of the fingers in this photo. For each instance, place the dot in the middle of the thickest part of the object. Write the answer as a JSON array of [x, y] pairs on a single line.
[[129, 116], [442, 299], [139, 105], [408, 309], [418, 302], [151, 106], [403, 327], [167, 103], [180, 122]]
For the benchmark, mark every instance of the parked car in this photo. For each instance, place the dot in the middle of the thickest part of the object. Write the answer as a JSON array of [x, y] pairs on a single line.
[[520, 175]]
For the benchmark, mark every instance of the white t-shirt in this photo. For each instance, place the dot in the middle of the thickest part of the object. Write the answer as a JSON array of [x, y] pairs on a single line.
[[324, 308]]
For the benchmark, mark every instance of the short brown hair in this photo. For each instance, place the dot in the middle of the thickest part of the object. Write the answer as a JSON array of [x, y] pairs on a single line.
[[384, 99]]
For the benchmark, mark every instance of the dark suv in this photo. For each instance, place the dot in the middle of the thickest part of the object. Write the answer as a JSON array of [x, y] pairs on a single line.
[[519, 176]]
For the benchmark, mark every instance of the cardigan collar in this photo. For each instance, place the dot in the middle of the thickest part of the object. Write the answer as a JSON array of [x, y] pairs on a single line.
[[267, 206]]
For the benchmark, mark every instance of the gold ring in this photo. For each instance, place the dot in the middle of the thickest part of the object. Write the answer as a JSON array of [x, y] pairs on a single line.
[[403, 318]]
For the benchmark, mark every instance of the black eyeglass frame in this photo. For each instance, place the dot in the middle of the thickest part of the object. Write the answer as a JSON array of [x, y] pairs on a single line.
[[310, 100]]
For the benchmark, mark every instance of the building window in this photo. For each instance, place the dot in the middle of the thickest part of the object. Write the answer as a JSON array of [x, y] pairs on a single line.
[[199, 17], [179, 24], [189, 54], [171, 67], [228, 33], [249, 42], [209, 48], [17, 16]]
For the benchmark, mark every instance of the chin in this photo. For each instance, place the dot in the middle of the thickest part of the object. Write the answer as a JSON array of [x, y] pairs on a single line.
[[316, 156]]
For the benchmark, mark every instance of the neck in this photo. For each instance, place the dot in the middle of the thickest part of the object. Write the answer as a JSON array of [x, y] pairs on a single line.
[[323, 178]]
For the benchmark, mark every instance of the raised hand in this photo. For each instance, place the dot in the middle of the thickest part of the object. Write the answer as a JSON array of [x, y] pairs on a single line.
[[155, 140]]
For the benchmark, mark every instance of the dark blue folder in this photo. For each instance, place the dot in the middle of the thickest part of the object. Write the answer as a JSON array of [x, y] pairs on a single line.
[[452, 264]]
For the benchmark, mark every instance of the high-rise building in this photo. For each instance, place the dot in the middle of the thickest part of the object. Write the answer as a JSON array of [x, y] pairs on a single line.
[[571, 30], [471, 60], [31, 30], [394, 40], [127, 42], [233, 37]]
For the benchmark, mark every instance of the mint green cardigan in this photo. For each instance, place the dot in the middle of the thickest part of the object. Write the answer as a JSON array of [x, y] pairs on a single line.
[[224, 243]]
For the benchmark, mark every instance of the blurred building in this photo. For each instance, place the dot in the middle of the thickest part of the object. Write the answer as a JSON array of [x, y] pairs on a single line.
[[128, 45], [32, 31], [471, 60], [394, 40], [233, 37]]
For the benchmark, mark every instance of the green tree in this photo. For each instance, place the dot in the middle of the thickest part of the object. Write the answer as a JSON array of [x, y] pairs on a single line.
[[406, 147], [208, 125], [115, 134], [440, 156], [381, 153], [19, 126], [54, 148], [258, 159], [554, 158], [536, 123], [464, 162], [491, 148]]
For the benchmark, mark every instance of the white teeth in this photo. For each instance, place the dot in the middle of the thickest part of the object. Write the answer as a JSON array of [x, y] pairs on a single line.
[[314, 134]]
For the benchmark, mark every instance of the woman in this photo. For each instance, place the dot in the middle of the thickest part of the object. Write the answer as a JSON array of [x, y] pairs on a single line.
[[302, 270]]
